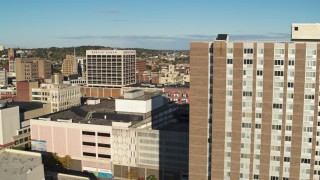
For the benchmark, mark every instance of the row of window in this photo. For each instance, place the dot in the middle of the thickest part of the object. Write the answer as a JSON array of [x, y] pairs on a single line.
[[94, 133], [276, 62], [94, 155], [94, 144]]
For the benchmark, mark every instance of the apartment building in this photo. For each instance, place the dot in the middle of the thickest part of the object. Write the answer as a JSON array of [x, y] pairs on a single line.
[[110, 68], [112, 137], [70, 65], [32, 68], [60, 96], [254, 111]]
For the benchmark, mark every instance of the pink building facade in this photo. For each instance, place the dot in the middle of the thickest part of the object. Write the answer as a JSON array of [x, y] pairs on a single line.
[[86, 142]]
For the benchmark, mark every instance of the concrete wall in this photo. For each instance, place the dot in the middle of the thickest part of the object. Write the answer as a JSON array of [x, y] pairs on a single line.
[[138, 106], [68, 138], [9, 124], [305, 32], [46, 109], [100, 92]]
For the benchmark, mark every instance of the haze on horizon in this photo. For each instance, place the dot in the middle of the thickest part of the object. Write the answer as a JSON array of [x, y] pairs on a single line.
[[169, 24]]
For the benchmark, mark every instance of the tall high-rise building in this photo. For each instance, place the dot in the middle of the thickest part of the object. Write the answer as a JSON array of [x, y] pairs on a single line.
[[70, 65], [254, 110], [32, 68], [110, 68]]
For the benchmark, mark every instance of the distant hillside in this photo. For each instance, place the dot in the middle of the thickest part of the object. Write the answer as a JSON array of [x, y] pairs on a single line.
[[58, 54]]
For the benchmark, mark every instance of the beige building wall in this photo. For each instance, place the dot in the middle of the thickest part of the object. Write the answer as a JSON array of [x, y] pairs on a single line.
[[32, 68], [305, 32], [59, 96], [9, 125], [70, 65]]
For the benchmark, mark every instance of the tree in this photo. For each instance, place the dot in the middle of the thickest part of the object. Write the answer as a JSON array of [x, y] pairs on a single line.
[[132, 174], [151, 177], [66, 161]]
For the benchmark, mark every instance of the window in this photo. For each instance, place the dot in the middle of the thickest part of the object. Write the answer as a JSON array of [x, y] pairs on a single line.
[[278, 73], [247, 61], [104, 156], [277, 84], [259, 94], [304, 160], [286, 159], [288, 138], [311, 52], [88, 133], [258, 126], [277, 106], [246, 125], [279, 51], [229, 61], [310, 74], [291, 62], [260, 51], [260, 61], [311, 63], [276, 127], [278, 62], [248, 51], [310, 85], [259, 73], [88, 143], [104, 134], [247, 93], [296, 28], [259, 115], [290, 84], [229, 82], [288, 128], [89, 154], [291, 51], [230, 50], [309, 96]]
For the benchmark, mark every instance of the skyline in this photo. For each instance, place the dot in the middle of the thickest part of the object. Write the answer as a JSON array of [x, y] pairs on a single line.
[[145, 24]]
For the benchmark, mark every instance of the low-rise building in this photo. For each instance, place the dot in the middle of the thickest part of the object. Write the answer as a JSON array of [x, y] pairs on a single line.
[[15, 164], [60, 96], [114, 137], [24, 89], [8, 92]]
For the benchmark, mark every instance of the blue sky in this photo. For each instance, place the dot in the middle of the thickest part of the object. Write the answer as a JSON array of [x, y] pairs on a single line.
[[162, 24]]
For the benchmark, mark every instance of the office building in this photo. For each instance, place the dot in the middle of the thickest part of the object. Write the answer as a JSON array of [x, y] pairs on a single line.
[[69, 65], [1, 47], [137, 133], [110, 68], [254, 111], [17, 164], [60, 96], [32, 68]]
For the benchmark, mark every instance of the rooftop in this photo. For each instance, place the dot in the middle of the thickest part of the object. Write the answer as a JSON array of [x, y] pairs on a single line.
[[25, 106], [16, 164], [98, 114]]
